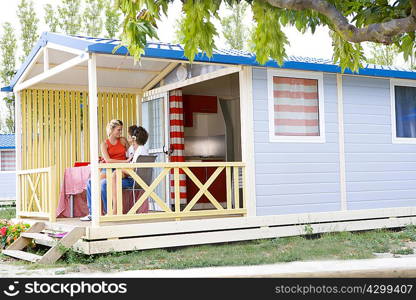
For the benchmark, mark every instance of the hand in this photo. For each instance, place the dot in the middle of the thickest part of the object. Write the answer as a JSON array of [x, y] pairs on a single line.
[[130, 159]]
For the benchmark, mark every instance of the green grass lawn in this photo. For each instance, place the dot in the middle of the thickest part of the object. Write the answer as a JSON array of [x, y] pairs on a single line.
[[7, 212], [340, 245]]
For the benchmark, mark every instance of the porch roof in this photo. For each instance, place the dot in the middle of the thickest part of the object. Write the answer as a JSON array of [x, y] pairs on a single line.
[[7, 141], [162, 50]]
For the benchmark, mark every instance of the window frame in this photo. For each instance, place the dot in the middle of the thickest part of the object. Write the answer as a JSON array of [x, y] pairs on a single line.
[[321, 103], [393, 84]]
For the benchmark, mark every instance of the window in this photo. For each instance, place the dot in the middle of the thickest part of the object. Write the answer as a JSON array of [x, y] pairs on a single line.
[[404, 112], [8, 160], [295, 106]]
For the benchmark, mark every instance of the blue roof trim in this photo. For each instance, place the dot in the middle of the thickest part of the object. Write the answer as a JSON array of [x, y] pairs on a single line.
[[251, 60], [7, 141], [176, 52], [6, 89], [173, 54]]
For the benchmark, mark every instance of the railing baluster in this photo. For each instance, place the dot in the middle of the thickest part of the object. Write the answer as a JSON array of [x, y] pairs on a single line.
[[43, 207], [177, 192], [243, 175], [26, 207], [99, 193], [52, 193], [236, 188], [228, 187], [47, 203], [109, 176], [119, 193]]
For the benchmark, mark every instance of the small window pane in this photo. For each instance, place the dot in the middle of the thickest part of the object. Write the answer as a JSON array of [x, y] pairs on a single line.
[[405, 97], [296, 106]]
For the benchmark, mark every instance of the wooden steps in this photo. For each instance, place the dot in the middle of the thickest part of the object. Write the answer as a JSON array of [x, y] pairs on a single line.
[[41, 239], [38, 234], [19, 254]]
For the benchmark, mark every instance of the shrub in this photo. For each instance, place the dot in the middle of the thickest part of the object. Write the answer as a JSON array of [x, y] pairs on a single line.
[[10, 232]]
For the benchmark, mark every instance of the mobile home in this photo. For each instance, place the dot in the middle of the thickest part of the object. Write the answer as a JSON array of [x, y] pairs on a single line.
[[243, 150]]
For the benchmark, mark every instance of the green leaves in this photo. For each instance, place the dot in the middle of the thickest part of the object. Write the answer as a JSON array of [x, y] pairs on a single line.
[[407, 45], [346, 54], [139, 24], [197, 28], [8, 45], [197, 31], [268, 38], [93, 22], [29, 26]]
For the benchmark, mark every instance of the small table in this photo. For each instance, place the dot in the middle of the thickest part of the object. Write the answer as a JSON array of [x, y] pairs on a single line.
[[74, 183]]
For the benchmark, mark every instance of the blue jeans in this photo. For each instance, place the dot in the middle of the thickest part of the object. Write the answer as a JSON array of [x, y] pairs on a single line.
[[126, 183]]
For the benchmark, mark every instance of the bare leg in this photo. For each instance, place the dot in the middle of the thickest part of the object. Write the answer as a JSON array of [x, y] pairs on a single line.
[[114, 178]]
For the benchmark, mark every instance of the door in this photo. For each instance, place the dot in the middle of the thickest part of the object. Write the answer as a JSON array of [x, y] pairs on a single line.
[[155, 121]]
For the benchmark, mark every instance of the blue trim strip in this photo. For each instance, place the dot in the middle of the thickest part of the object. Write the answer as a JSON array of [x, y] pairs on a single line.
[[168, 51], [12, 147], [251, 60], [6, 89]]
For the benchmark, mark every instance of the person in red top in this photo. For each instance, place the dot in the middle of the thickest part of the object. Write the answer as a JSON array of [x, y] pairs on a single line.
[[113, 150]]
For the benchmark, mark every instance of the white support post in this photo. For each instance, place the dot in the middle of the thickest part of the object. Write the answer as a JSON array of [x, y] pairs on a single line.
[[247, 137], [341, 142], [93, 115], [18, 137], [45, 59], [139, 113]]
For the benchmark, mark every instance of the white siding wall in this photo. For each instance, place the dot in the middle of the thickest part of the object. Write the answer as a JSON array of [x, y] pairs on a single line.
[[295, 177], [379, 174]]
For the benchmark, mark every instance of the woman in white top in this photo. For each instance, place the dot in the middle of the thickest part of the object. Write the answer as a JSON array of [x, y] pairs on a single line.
[[130, 150], [139, 138]]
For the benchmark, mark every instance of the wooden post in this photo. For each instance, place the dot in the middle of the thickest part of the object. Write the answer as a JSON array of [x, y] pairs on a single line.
[[18, 137], [45, 59], [177, 192], [341, 143], [51, 194], [228, 187], [93, 111], [247, 136], [138, 106]]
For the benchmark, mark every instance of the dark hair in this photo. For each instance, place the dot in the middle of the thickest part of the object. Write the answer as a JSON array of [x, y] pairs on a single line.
[[121, 122], [131, 129], [140, 134]]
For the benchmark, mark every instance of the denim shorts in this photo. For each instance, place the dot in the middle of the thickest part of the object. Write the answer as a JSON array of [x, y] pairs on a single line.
[[104, 171]]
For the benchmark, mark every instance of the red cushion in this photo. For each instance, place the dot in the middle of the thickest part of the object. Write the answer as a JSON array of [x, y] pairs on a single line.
[[81, 163]]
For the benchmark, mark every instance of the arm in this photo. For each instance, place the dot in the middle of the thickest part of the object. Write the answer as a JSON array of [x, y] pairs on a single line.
[[107, 157]]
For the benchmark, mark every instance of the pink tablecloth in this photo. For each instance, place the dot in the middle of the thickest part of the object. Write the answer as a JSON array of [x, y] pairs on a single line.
[[74, 183]]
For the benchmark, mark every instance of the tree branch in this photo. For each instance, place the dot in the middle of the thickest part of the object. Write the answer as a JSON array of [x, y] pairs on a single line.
[[378, 32]]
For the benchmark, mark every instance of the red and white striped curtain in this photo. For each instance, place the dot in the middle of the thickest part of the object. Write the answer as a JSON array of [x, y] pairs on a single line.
[[296, 107], [177, 143]]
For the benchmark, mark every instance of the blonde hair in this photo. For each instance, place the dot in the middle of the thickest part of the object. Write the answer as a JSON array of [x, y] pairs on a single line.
[[112, 125]]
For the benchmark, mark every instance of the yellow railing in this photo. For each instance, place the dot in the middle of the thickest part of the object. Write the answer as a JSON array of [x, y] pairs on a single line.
[[36, 193], [235, 191]]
